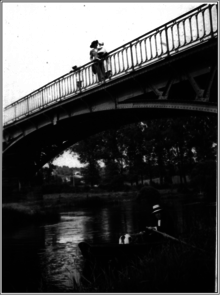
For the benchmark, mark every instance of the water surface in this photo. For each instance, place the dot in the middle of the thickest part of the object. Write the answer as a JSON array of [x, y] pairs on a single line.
[[35, 257]]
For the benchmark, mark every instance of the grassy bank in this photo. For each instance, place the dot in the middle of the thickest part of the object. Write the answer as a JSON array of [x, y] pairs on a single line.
[[86, 199], [173, 270], [177, 268]]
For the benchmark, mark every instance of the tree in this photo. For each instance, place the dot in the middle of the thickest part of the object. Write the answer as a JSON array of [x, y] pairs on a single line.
[[155, 148], [88, 152], [203, 178]]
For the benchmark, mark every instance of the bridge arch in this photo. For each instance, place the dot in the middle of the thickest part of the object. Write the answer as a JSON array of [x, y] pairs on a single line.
[[174, 81]]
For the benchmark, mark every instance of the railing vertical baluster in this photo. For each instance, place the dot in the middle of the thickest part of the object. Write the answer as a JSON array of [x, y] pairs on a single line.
[[69, 84], [118, 62], [126, 52], [132, 60], [145, 47], [119, 59], [122, 64], [125, 59], [178, 35], [42, 98], [62, 88], [80, 78], [160, 42], [203, 18], [151, 51], [59, 89], [84, 78], [141, 51], [172, 37], [156, 48], [110, 63], [115, 62], [65, 86], [27, 105], [15, 111], [210, 18], [72, 83], [56, 90], [190, 26], [88, 77], [197, 26], [184, 31], [70, 88], [52, 92], [136, 53]]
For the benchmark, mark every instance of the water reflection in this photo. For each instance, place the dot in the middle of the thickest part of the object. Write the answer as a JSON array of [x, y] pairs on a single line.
[[61, 258], [55, 249]]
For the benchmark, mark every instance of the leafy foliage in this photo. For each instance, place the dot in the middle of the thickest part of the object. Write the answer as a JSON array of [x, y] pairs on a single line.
[[156, 148], [203, 178]]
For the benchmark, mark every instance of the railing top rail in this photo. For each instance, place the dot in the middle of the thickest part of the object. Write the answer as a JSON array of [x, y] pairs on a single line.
[[112, 51]]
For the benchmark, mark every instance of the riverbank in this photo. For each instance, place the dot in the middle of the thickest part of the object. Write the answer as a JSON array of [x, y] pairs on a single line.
[[15, 215], [175, 269], [87, 199], [47, 209]]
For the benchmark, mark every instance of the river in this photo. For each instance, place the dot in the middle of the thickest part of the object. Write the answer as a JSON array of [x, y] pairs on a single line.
[[38, 253]]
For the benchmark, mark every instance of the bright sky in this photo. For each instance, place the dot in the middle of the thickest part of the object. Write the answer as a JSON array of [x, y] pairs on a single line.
[[42, 41]]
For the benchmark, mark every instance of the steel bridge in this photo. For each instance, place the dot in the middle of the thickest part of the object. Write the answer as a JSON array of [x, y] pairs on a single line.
[[168, 71]]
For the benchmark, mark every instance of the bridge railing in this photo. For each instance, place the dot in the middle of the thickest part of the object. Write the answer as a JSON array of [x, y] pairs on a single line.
[[193, 27]]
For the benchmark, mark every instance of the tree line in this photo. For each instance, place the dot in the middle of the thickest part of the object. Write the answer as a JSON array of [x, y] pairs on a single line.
[[152, 148]]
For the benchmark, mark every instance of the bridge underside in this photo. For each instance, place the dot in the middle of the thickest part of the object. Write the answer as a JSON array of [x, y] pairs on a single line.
[[184, 84]]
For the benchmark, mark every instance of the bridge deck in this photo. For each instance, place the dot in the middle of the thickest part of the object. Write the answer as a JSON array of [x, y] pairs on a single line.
[[192, 29]]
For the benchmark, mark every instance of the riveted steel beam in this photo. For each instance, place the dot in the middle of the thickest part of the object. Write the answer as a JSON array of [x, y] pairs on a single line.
[[33, 122], [55, 119], [167, 88], [209, 83], [47, 116], [156, 91], [113, 98], [87, 105], [198, 91], [66, 110]]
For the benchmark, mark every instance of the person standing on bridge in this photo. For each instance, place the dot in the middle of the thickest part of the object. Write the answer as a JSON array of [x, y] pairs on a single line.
[[97, 55], [102, 53]]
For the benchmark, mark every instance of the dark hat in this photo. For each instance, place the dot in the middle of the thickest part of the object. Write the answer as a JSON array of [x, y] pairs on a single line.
[[93, 43], [156, 208]]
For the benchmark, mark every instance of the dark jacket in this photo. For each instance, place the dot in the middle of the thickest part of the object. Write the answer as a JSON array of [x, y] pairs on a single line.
[[166, 223]]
